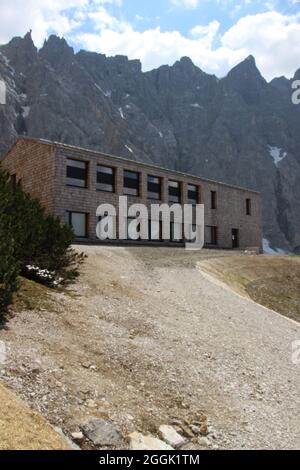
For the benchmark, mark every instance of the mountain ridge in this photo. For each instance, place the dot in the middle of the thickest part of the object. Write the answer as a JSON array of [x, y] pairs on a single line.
[[239, 129]]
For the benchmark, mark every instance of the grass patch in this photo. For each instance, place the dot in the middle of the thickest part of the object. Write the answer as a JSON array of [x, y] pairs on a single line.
[[33, 296], [272, 281]]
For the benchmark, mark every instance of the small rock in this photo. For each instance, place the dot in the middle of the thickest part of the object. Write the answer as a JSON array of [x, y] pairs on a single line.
[[77, 436], [204, 430], [139, 442], [91, 404], [195, 429], [187, 432], [86, 365], [171, 437], [203, 441], [102, 433]]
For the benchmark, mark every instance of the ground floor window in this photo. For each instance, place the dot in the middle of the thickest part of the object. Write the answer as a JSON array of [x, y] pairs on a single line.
[[211, 235], [79, 223]]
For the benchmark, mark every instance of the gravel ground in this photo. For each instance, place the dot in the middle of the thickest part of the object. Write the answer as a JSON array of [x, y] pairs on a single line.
[[146, 338]]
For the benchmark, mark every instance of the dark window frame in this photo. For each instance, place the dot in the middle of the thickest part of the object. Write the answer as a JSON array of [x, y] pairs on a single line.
[[248, 206], [179, 192], [86, 163], [159, 198], [213, 200], [113, 179], [138, 179], [86, 214], [195, 201]]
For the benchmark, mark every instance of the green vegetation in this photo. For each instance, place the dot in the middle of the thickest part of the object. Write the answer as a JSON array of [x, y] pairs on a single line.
[[32, 243]]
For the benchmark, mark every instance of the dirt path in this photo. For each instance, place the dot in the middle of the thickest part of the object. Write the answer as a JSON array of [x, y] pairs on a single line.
[[144, 338]]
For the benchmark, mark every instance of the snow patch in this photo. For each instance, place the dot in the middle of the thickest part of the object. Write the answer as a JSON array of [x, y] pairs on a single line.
[[128, 148], [277, 154], [271, 251], [26, 111], [121, 113], [196, 105], [105, 93]]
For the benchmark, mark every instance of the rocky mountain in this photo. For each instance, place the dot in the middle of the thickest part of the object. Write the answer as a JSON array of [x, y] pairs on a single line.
[[238, 129]]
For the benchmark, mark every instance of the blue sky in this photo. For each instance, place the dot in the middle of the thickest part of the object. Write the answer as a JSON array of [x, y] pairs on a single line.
[[216, 34]]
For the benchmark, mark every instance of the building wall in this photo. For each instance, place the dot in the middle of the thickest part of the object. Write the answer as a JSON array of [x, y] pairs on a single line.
[[231, 201], [33, 165]]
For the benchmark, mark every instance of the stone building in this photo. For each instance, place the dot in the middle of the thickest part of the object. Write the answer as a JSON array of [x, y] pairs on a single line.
[[72, 182]]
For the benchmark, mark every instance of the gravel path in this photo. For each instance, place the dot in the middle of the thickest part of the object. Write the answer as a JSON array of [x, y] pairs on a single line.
[[145, 338]]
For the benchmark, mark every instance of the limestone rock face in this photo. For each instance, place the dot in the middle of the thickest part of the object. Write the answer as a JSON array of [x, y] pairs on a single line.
[[239, 129]]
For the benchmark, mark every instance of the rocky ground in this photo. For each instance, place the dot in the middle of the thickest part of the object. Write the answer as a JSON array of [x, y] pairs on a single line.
[[146, 339]]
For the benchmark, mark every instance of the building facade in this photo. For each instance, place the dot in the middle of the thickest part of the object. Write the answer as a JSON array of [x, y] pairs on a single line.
[[72, 182]]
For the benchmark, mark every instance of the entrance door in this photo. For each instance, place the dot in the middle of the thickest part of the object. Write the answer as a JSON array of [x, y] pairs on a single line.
[[235, 238]]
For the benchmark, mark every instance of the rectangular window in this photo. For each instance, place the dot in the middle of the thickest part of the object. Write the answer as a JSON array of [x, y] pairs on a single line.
[[76, 173], [193, 193], [211, 235], [213, 199], [105, 179], [131, 183], [248, 207], [78, 221], [154, 187], [174, 192]]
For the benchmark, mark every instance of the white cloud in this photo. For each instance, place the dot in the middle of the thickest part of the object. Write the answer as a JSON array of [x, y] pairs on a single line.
[[272, 37], [185, 3], [44, 16]]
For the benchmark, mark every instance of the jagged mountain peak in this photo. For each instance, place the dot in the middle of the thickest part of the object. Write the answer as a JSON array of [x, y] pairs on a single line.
[[240, 129], [20, 51], [56, 51]]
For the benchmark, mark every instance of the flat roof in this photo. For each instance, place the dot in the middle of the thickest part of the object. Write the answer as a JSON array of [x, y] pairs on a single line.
[[123, 159]]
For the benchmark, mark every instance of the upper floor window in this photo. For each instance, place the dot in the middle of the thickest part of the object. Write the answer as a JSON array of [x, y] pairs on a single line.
[[174, 191], [213, 195], [154, 187], [131, 183], [248, 207], [105, 179], [76, 173], [193, 193]]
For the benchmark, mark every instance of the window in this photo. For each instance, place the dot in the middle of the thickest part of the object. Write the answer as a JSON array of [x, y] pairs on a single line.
[[213, 199], [78, 221], [174, 192], [105, 179], [154, 187], [193, 193], [131, 183], [248, 207], [211, 235], [76, 173]]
